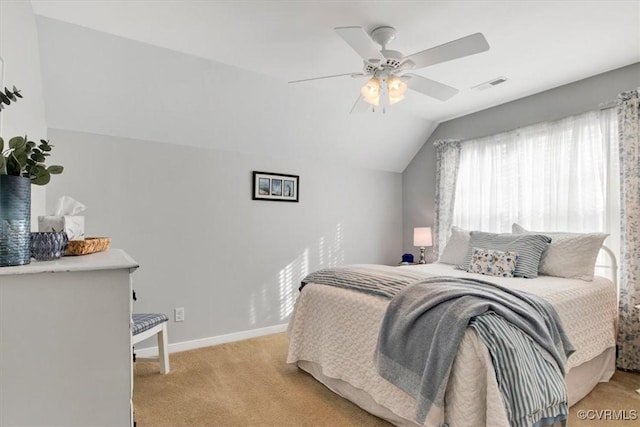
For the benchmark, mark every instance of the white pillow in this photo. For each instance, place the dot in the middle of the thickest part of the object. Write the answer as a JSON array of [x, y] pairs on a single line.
[[456, 248], [571, 255]]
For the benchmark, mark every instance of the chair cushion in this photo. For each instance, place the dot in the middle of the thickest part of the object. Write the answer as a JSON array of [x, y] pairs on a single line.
[[145, 321]]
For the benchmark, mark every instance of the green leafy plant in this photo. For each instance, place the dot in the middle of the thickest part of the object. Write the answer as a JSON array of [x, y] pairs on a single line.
[[26, 158], [23, 157]]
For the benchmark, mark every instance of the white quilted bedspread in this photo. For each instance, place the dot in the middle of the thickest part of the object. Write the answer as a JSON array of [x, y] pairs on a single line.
[[338, 329]]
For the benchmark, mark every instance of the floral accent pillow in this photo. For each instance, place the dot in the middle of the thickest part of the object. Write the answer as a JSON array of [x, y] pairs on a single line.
[[493, 262]]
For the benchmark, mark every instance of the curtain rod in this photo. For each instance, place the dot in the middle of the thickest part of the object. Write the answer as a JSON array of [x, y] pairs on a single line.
[[607, 104]]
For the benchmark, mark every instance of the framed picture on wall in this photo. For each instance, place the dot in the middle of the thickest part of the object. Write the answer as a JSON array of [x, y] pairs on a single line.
[[278, 187]]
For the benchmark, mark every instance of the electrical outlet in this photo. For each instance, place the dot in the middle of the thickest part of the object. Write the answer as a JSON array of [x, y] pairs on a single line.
[[178, 314]]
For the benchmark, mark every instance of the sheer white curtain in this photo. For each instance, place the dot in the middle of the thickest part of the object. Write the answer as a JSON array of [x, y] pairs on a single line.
[[552, 176]]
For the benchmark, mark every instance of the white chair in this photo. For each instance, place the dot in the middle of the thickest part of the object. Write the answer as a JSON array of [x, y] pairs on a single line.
[[146, 325]]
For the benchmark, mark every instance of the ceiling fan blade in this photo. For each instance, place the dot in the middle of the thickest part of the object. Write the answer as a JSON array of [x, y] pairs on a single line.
[[360, 106], [430, 87], [328, 77], [360, 41], [465, 46]]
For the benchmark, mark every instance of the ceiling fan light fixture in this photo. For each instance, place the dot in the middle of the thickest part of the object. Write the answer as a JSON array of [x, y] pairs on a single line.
[[371, 91], [397, 88], [387, 68], [395, 99]]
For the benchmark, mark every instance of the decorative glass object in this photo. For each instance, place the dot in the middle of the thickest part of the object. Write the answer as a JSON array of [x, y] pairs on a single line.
[[407, 258], [15, 220], [48, 245]]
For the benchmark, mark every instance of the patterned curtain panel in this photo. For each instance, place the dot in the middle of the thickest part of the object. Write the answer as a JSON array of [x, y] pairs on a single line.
[[629, 324], [447, 163]]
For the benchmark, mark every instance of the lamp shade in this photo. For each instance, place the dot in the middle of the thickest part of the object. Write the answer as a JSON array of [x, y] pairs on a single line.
[[371, 91], [397, 89], [422, 236]]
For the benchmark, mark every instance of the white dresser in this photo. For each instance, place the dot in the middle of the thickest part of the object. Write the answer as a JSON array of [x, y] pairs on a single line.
[[65, 341]]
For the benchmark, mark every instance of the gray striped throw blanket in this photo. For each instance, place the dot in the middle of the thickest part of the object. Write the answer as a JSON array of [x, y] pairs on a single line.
[[427, 318], [381, 280], [531, 384], [424, 324]]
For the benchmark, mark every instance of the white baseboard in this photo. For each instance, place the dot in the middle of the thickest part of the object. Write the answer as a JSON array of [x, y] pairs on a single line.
[[206, 342]]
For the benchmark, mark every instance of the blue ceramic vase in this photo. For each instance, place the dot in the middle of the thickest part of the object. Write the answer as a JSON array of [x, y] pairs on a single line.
[[15, 220]]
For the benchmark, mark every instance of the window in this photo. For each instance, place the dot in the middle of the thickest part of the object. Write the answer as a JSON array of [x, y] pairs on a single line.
[[553, 176]]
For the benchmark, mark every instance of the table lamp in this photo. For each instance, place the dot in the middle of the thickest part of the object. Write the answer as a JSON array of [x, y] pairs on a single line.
[[422, 238]]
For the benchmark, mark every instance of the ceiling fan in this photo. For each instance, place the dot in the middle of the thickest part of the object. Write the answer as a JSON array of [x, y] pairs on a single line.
[[387, 68]]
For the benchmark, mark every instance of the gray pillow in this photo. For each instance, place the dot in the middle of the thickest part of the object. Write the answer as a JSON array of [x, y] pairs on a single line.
[[529, 247], [571, 255]]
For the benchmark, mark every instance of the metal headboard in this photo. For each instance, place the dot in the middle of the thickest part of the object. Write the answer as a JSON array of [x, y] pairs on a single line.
[[613, 266]]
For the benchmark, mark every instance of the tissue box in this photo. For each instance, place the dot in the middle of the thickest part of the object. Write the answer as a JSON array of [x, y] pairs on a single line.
[[73, 225]]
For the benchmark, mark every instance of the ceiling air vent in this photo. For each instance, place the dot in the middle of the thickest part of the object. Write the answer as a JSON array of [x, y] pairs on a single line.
[[491, 83]]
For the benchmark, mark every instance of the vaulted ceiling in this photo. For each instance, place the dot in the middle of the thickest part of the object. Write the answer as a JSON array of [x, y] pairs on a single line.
[[536, 45]]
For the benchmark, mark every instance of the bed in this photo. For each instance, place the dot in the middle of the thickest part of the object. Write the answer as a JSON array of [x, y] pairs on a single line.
[[333, 334]]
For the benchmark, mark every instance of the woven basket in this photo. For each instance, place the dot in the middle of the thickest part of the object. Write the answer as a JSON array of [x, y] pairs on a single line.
[[88, 245]]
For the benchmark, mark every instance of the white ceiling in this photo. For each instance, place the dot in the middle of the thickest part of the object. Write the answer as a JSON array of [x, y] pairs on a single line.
[[537, 45]]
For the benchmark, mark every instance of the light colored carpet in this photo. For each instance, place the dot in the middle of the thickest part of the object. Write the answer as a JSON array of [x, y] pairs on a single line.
[[248, 383]]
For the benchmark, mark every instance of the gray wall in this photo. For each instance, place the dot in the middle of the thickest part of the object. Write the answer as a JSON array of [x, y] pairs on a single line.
[[418, 179], [186, 215], [160, 146]]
